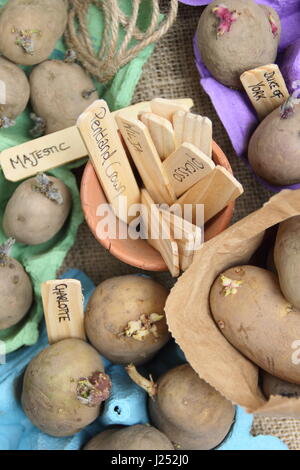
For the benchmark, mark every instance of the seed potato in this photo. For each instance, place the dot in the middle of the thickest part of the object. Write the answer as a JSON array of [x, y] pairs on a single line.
[[119, 322], [64, 386], [138, 437], [192, 414], [60, 92], [229, 47], [274, 150], [251, 312], [275, 386], [29, 29], [287, 259], [30, 216]]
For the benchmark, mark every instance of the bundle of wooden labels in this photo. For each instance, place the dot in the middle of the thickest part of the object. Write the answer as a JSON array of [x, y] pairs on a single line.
[[160, 143], [171, 149]]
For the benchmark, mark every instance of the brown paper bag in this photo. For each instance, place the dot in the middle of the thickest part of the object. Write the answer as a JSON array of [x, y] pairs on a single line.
[[191, 323]]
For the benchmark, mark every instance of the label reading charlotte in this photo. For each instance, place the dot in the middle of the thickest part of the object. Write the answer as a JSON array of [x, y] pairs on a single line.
[[63, 309], [60, 291]]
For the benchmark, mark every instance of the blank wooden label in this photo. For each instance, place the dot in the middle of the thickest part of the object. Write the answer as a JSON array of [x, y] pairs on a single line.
[[42, 154], [215, 191], [162, 133], [193, 129], [166, 108], [63, 309], [186, 166], [146, 159], [99, 132], [164, 243], [188, 237], [266, 88]]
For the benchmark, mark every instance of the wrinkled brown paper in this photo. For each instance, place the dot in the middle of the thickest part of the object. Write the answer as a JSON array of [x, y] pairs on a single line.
[[191, 323]]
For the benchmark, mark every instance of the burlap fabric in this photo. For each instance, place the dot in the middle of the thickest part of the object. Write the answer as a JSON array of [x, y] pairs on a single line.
[[171, 73]]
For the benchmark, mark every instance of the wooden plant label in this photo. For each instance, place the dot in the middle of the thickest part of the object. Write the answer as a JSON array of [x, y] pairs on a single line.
[[186, 166], [42, 154], [193, 129], [166, 108], [63, 309], [164, 243], [146, 159], [215, 191], [161, 132], [266, 88], [188, 237], [99, 132]]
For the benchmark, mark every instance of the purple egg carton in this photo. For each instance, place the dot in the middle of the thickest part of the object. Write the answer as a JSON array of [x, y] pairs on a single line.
[[233, 107]]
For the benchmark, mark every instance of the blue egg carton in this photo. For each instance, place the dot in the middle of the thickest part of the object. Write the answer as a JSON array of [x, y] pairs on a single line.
[[127, 404]]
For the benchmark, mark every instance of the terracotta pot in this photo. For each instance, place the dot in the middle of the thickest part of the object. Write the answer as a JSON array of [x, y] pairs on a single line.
[[138, 252]]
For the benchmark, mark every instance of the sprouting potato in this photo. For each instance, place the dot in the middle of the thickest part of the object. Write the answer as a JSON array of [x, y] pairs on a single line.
[[37, 210], [29, 29], [249, 309], [64, 386], [191, 413], [235, 36], [125, 319]]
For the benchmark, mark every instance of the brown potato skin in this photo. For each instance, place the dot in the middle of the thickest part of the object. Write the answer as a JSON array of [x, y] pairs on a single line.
[[275, 386], [17, 89], [287, 259], [274, 150], [113, 304], [47, 16], [49, 389], [249, 43], [15, 293], [192, 414], [32, 218], [138, 437], [56, 93], [258, 320]]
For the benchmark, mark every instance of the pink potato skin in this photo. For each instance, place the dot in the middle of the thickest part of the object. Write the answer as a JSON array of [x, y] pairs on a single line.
[[248, 44]]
